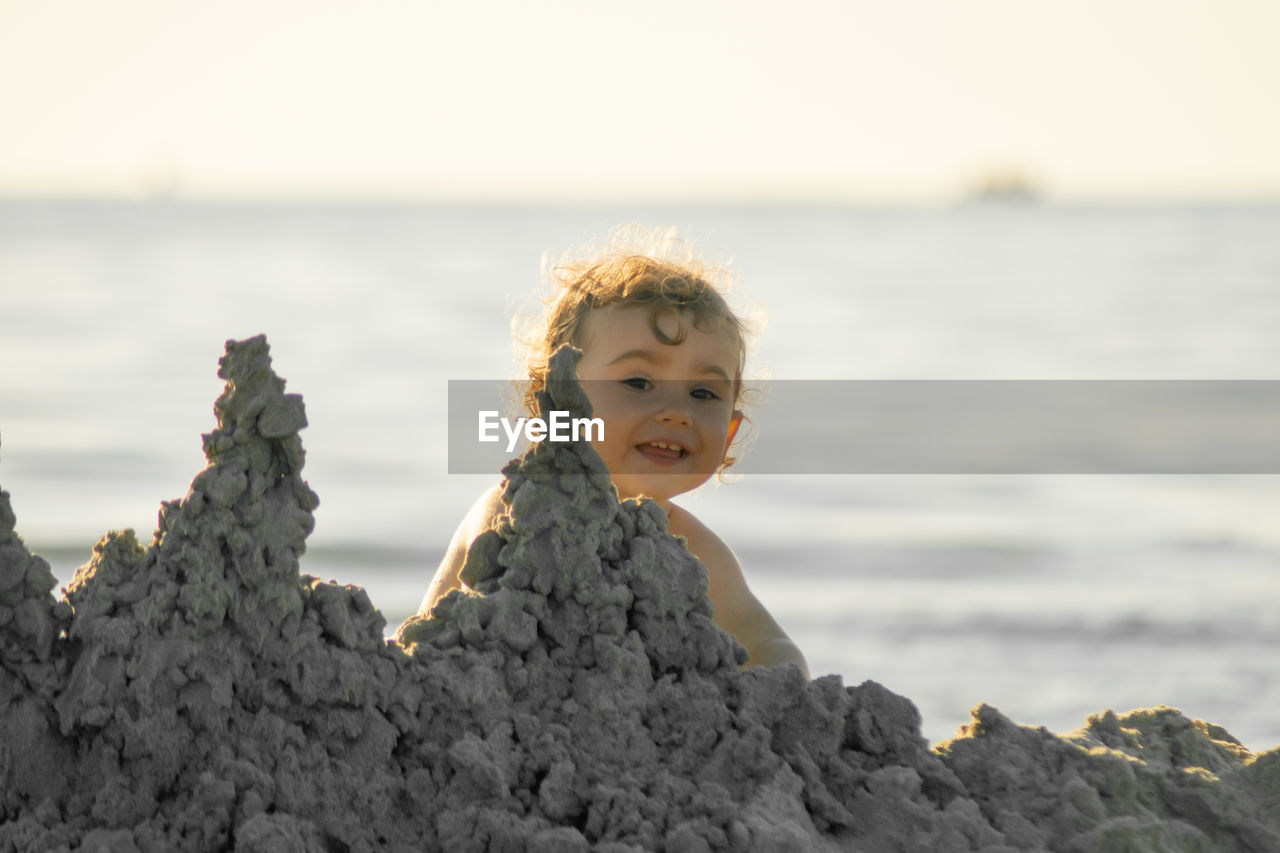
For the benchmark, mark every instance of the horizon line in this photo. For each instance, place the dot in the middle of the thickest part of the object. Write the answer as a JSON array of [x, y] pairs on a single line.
[[680, 200]]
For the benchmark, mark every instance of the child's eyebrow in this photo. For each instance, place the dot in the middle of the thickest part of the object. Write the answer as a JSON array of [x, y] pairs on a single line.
[[641, 354], [646, 355]]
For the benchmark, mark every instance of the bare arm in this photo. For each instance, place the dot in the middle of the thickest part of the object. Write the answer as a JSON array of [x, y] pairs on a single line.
[[737, 610], [476, 521]]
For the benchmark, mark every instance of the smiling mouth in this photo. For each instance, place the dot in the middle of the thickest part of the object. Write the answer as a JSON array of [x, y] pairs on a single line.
[[662, 452]]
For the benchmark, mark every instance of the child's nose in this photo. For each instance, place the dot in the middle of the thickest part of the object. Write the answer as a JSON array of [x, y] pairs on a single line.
[[674, 414], [674, 410]]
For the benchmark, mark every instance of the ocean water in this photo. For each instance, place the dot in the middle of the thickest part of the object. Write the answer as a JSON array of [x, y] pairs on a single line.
[[1050, 597]]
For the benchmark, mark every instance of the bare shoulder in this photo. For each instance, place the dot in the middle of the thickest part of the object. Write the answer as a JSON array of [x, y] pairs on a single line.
[[737, 610], [477, 520], [724, 572], [686, 524], [481, 515]]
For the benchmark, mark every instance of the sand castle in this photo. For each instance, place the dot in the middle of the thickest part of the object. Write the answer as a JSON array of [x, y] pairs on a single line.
[[201, 694]]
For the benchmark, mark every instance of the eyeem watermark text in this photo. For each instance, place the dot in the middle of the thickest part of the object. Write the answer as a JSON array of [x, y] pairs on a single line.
[[560, 427], [945, 427]]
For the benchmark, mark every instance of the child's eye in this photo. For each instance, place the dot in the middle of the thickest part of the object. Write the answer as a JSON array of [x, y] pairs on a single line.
[[704, 394], [638, 382]]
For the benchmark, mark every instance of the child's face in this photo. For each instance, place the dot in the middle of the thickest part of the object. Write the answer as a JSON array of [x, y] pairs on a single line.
[[646, 391]]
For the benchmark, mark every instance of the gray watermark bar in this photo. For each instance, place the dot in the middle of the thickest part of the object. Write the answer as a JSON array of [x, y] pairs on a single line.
[[950, 426]]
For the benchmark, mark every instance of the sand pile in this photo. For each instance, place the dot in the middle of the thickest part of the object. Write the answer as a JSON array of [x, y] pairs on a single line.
[[200, 694]]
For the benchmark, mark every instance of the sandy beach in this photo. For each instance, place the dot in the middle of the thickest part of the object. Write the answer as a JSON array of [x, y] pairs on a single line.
[[202, 693]]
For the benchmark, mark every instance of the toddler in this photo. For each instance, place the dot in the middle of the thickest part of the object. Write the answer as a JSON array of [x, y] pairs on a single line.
[[662, 365]]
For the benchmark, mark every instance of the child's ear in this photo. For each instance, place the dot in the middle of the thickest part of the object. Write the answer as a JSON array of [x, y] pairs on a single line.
[[734, 423]]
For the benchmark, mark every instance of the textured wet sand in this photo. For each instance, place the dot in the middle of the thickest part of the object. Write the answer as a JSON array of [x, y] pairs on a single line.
[[201, 694]]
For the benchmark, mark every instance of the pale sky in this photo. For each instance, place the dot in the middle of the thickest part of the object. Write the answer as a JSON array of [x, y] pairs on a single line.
[[596, 99]]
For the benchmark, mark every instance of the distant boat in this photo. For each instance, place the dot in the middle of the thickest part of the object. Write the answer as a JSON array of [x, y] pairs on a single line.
[[1010, 185]]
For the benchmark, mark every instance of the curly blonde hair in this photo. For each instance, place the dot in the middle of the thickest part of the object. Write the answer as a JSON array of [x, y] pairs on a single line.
[[650, 270]]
